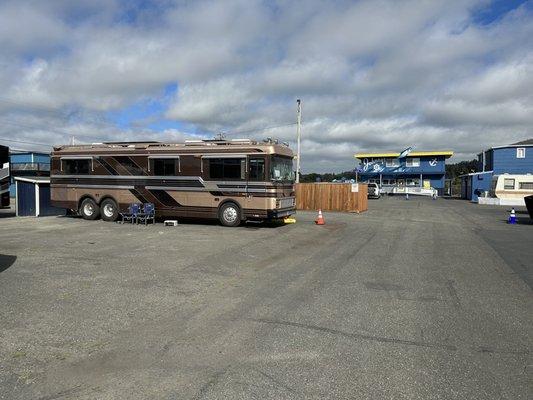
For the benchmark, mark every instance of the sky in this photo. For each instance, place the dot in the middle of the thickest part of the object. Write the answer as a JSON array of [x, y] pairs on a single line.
[[377, 75]]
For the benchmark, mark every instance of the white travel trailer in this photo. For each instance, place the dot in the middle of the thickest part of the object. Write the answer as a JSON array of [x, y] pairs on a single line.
[[511, 189]]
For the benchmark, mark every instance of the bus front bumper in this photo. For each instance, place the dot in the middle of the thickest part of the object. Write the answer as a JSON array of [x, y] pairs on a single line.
[[276, 214]]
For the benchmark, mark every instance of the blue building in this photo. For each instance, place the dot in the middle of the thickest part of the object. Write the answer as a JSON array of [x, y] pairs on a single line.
[[516, 158], [27, 163], [424, 169]]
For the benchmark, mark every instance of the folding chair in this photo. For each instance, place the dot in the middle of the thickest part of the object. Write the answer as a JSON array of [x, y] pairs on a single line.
[[148, 214], [133, 212]]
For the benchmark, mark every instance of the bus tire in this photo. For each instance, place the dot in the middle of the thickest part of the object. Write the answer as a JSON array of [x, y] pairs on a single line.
[[109, 210], [229, 214], [89, 209]]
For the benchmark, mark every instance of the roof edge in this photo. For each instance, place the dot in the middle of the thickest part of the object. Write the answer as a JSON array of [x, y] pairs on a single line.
[[446, 153]]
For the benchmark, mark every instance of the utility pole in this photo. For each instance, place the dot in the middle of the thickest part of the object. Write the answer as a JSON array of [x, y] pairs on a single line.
[[298, 134]]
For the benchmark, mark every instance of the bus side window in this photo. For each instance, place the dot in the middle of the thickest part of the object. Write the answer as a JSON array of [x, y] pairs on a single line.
[[164, 166], [227, 168], [257, 169], [75, 167]]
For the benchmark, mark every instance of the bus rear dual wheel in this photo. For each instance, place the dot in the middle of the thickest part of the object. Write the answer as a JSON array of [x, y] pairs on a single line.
[[108, 210]]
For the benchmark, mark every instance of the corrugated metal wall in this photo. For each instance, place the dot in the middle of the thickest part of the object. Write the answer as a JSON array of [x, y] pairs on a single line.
[[505, 161], [45, 208], [25, 199]]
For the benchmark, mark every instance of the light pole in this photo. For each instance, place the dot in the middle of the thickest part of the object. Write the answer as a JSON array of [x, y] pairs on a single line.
[[298, 134]]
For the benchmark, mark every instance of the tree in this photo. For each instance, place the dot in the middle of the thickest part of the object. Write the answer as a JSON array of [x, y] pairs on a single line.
[[463, 167]]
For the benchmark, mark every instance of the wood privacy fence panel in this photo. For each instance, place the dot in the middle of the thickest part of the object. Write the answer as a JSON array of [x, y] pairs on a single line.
[[331, 197]]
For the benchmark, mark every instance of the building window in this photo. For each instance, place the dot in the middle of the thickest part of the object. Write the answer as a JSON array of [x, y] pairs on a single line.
[[392, 162], [412, 162], [227, 168], [521, 152], [257, 169], [508, 184], [76, 167], [526, 185]]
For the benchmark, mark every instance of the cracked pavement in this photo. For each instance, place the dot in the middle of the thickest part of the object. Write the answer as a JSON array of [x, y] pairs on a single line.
[[413, 299]]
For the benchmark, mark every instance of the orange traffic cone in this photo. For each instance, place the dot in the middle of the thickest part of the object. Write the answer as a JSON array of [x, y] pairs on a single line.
[[320, 219]]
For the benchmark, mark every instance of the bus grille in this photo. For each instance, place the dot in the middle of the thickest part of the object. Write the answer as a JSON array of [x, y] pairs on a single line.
[[285, 203]]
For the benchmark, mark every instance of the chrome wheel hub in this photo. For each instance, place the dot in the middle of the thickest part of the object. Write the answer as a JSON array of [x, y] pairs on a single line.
[[108, 210], [88, 209], [230, 214]]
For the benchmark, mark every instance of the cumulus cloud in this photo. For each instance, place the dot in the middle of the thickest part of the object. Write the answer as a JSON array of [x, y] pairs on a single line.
[[372, 75]]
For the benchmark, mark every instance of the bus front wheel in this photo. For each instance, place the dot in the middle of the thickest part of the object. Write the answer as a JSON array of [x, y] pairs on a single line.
[[230, 214], [89, 209]]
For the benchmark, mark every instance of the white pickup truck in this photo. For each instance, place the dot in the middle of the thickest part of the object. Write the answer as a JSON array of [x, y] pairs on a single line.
[[373, 191]]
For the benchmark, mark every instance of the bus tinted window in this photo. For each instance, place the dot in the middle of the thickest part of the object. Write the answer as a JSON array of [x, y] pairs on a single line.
[[130, 165], [257, 169], [164, 166], [75, 167], [226, 168]]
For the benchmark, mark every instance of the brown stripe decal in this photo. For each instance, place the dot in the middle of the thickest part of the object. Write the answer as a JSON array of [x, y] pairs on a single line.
[[130, 166], [164, 198], [107, 166], [139, 196]]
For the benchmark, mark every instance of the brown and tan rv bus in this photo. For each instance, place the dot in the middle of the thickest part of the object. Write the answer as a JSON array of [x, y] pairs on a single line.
[[232, 180]]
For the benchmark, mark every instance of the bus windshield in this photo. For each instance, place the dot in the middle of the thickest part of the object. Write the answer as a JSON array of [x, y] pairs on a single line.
[[281, 169]]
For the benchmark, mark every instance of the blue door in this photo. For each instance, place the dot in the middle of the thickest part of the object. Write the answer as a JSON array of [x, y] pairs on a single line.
[[26, 199], [45, 208]]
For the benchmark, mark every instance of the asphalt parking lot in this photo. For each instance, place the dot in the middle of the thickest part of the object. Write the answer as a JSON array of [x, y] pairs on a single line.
[[413, 299]]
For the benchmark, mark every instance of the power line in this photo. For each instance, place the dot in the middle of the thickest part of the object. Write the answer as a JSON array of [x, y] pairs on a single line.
[[24, 142], [55, 111], [103, 125], [258, 129], [25, 105], [29, 126]]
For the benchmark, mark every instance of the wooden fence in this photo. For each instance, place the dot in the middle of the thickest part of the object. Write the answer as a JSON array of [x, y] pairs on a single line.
[[332, 197]]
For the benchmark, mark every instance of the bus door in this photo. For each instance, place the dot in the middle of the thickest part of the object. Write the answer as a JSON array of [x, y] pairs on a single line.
[[256, 177]]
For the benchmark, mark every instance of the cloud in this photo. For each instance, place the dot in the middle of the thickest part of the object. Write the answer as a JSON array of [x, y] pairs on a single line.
[[372, 75]]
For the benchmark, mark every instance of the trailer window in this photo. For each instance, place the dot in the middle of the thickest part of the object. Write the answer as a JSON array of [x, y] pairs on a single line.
[[257, 169], [76, 167], [227, 168], [526, 185], [164, 166], [508, 184]]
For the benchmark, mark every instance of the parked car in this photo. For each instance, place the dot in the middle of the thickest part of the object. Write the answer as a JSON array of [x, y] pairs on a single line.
[[373, 191]]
